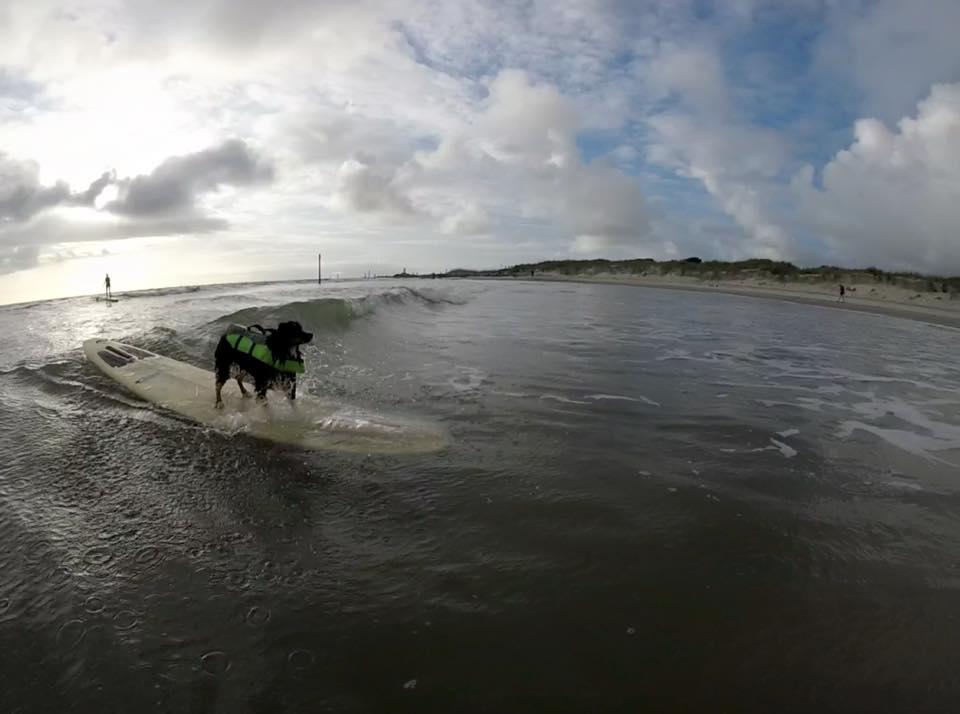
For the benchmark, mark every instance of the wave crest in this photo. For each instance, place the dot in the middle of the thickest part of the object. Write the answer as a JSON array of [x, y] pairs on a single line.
[[325, 314]]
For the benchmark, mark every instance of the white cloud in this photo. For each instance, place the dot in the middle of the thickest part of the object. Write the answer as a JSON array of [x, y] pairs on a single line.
[[525, 137], [694, 73], [892, 51], [893, 197], [470, 220], [705, 138], [21, 193]]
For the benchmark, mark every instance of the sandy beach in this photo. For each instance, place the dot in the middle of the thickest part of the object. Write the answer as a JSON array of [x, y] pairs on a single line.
[[878, 298]]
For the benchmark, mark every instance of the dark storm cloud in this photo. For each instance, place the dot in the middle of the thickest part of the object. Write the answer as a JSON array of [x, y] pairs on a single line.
[[161, 203], [172, 188], [87, 197], [169, 190], [21, 195]]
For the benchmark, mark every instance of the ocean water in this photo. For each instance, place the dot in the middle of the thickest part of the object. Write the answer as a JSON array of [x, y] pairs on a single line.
[[651, 501]]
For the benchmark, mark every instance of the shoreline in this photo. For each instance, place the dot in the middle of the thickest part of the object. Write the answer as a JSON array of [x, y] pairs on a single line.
[[920, 313]]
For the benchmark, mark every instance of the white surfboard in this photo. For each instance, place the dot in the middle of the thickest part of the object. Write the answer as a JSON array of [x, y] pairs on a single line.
[[308, 421]]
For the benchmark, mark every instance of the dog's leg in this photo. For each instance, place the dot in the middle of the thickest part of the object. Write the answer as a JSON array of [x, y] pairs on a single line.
[[221, 368], [243, 390], [260, 387], [221, 379]]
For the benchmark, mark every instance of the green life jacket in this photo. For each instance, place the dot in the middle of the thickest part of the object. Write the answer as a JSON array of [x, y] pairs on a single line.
[[254, 344]]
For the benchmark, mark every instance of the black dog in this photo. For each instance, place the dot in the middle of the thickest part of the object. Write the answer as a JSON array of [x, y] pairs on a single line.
[[271, 357]]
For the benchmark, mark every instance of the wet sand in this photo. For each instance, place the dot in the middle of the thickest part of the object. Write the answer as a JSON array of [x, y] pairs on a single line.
[[883, 300]]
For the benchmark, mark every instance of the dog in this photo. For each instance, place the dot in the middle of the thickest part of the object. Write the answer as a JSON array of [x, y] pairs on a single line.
[[270, 356]]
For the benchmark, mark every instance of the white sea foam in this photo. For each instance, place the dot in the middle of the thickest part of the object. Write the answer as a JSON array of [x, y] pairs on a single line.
[[909, 441], [787, 451], [468, 380], [559, 398], [613, 397], [814, 405], [620, 397]]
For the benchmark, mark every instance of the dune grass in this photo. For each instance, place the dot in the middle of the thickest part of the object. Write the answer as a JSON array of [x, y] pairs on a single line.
[[716, 270]]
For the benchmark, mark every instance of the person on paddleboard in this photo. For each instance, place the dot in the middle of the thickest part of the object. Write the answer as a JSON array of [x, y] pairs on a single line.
[[106, 285]]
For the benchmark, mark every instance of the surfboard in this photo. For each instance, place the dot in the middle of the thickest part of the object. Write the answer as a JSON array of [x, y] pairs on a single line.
[[105, 299], [309, 422]]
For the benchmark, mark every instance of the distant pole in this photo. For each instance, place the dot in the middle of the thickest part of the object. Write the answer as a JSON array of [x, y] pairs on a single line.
[[319, 268]]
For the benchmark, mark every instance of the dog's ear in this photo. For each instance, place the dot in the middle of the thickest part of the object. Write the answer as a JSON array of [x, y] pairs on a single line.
[[303, 337]]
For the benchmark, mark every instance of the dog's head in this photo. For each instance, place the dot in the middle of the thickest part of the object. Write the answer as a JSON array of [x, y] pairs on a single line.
[[290, 335]]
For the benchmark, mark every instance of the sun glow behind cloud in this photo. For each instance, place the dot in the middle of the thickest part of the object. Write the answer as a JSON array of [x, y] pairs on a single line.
[[126, 120]]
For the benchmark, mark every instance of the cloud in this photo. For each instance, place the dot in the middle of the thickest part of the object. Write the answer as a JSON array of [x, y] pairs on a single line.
[[18, 257], [161, 203], [52, 228], [361, 187], [737, 166], [891, 198], [95, 189], [527, 124], [471, 220], [891, 51], [599, 200], [692, 74], [525, 136], [24, 257], [480, 131], [21, 194], [173, 187], [353, 95], [706, 138]]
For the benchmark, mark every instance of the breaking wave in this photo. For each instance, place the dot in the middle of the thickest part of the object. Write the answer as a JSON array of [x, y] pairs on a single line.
[[325, 314]]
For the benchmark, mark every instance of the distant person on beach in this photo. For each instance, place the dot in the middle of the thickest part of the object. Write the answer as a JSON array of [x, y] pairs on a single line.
[[843, 292], [106, 285], [531, 273]]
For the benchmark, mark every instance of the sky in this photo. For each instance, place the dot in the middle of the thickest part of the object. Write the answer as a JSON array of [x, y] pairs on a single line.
[[173, 143]]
